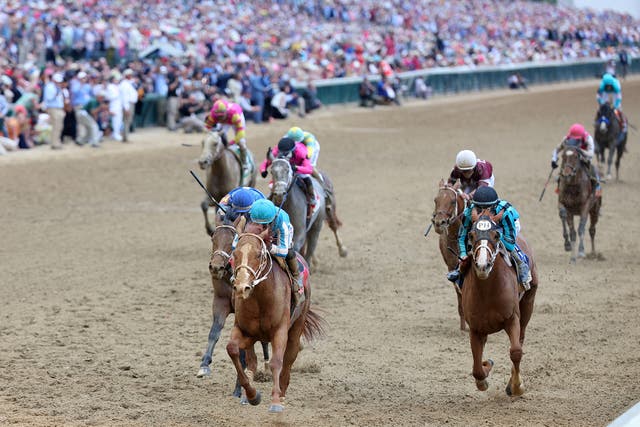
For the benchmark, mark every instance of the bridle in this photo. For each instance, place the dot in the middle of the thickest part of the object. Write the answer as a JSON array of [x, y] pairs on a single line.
[[574, 168], [219, 252], [451, 218], [483, 229], [264, 268], [289, 182]]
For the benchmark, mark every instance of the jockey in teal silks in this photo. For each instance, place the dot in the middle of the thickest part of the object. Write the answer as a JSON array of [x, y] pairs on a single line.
[[486, 198], [610, 89], [265, 213]]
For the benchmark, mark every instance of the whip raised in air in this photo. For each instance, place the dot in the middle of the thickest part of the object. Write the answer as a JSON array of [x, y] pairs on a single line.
[[218, 205]]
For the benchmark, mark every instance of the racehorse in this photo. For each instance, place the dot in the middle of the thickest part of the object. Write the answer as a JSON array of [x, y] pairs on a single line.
[[490, 298], [608, 135], [223, 169], [221, 239], [263, 310], [450, 203], [288, 191], [576, 197]]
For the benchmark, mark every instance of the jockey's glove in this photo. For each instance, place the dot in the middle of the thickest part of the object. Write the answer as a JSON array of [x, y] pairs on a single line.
[[554, 164], [263, 174]]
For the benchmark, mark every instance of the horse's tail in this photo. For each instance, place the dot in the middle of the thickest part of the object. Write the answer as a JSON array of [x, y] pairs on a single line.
[[314, 326], [332, 214]]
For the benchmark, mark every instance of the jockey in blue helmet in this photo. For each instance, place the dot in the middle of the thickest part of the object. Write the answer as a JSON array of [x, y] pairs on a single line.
[[238, 202], [265, 213], [486, 198], [610, 88]]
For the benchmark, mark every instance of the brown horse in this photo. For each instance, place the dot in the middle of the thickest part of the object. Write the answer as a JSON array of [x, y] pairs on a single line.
[[446, 219], [222, 239], [609, 134], [490, 298], [576, 197], [263, 309], [224, 171]]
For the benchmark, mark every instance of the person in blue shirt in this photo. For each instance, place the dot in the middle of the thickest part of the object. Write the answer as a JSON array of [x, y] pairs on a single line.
[[486, 198], [238, 202], [611, 91], [265, 213]]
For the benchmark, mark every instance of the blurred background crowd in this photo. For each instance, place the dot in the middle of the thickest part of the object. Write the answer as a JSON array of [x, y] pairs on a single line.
[[79, 69]]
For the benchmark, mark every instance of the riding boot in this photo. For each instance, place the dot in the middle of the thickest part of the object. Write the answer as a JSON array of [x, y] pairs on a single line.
[[243, 159], [327, 191], [524, 275], [297, 287], [310, 196], [595, 180]]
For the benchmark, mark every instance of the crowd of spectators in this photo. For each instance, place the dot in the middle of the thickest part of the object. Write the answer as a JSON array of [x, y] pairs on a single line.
[[87, 63]]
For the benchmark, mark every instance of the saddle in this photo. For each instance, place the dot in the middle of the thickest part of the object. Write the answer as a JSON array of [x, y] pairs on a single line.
[[304, 271]]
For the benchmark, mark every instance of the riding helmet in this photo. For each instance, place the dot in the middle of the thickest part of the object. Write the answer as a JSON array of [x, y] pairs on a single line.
[[241, 200], [286, 145], [263, 211], [296, 134], [576, 131], [485, 197], [220, 108], [466, 160]]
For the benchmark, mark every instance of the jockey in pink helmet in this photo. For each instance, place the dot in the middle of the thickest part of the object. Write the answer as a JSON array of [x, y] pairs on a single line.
[[228, 114], [580, 139]]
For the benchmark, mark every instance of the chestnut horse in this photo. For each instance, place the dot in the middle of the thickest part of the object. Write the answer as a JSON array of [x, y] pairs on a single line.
[[576, 197], [221, 240], [223, 169], [446, 219], [263, 308], [490, 298]]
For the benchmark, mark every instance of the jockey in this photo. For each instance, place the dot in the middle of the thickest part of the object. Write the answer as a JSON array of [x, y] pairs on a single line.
[[264, 212], [296, 153], [486, 198], [238, 202], [227, 114], [610, 88], [309, 140], [579, 138], [472, 172]]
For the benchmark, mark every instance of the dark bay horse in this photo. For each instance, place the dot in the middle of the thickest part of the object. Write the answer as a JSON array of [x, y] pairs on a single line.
[[450, 203], [608, 135], [305, 235], [223, 169], [576, 197], [263, 307], [490, 299], [220, 270]]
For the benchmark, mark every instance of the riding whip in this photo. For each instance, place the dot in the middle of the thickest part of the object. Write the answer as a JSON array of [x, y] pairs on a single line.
[[455, 253], [218, 205], [545, 185], [428, 229]]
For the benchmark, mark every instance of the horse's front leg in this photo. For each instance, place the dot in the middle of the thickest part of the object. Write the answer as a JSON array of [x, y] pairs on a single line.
[[221, 309], [278, 347], [481, 368], [610, 160], [463, 323], [572, 235], [238, 341], [515, 386], [581, 228], [563, 218], [205, 208]]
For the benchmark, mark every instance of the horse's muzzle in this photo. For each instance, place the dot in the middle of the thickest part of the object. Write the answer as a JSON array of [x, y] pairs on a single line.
[[216, 270], [483, 271], [244, 290]]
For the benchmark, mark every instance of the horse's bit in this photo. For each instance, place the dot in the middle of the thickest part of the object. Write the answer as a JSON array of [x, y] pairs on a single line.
[[225, 256]]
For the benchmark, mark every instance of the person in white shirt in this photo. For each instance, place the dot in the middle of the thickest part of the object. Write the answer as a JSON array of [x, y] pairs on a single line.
[[129, 98], [115, 104]]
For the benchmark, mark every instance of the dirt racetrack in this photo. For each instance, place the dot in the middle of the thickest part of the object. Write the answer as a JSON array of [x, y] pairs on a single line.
[[105, 296]]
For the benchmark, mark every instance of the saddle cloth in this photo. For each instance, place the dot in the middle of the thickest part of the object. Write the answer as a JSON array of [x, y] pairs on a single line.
[[248, 168]]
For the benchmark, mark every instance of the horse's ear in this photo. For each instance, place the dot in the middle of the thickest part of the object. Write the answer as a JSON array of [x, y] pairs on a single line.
[[497, 218], [457, 185], [441, 183], [240, 223], [265, 233], [474, 215]]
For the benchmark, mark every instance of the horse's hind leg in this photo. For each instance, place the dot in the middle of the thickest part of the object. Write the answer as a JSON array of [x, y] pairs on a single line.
[[565, 234], [290, 354], [463, 323], [278, 345], [481, 368], [334, 224], [312, 242], [265, 352], [515, 386], [221, 309]]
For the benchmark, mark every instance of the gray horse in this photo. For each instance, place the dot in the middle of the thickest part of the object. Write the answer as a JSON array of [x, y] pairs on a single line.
[[305, 233], [224, 171], [609, 135]]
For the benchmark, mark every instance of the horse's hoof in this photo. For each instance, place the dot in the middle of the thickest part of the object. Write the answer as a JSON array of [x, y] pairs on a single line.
[[274, 408], [244, 401], [517, 391], [482, 385], [609, 177], [343, 253], [204, 371], [582, 255], [237, 392], [567, 247], [256, 400], [572, 260]]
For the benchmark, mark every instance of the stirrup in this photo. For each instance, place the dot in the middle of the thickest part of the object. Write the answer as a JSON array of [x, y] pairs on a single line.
[[453, 276]]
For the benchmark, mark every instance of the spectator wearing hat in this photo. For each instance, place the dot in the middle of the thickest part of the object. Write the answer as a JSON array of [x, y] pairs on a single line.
[[53, 103], [80, 97], [129, 100]]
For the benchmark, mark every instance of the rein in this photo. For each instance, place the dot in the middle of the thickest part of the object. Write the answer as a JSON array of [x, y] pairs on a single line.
[[262, 272]]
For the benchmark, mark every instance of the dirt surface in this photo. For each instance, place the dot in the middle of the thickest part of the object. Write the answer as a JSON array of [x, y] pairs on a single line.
[[105, 296]]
